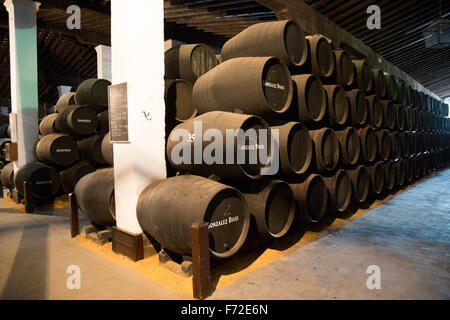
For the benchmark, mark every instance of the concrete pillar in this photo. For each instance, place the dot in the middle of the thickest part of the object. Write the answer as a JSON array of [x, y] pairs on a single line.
[[24, 76], [63, 89], [140, 64], [103, 62]]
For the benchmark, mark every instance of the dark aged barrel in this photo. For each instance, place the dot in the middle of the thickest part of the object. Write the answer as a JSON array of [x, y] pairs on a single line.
[[273, 207], [95, 197], [360, 182], [376, 174], [295, 148], [350, 145], [396, 150], [338, 105], [47, 125], [391, 87], [5, 131], [91, 151], [107, 150], [311, 197], [409, 124], [7, 175], [404, 144], [71, 176], [358, 107], [103, 123], [309, 98], [404, 93], [363, 75], [375, 115], [326, 149], [253, 85], [388, 114], [282, 39], [400, 172], [57, 150], [94, 93], [412, 140], [180, 141], [77, 120], [3, 142], [344, 73], [339, 188], [178, 99], [400, 117], [189, 61], [379, 83], [320, 58], [390, 175], [410, 169], [65, 100], [383, 144], [44, 180], [42, 112], [369, 146], [167, 208]]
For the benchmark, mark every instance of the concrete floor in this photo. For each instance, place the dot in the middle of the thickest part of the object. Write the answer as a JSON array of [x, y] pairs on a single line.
[[408, 237]]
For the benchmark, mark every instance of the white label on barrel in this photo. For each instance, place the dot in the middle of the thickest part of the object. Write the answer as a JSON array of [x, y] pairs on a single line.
[[273, 85], [63, 150], [223, 222], [44, 182], [84, 120]]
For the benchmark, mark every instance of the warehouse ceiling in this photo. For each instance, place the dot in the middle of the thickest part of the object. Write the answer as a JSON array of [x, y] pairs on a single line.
[[67, 57]]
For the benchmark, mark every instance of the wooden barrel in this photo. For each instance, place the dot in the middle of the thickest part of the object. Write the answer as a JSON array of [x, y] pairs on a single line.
[[344, 74], [369, 147], [377, 177], [91, 151], [167, 208], [295, 148], [390, 175], [77, 121], [350, 145], [107, 150], [7, 175], [375, 115], [339, 188], [391, 87], [338, 105], [360, 183], [326, 149], [383, 144], [71, 176], [253, 85], [404, 144], [67, 99], [396, 148], [309, 99], [358, 107], [404, 93], [409, 123], [5, 131], [400, 172], [320, 58], [47, 125], [93, 93], [3, 142], [363, 76], [272, 205], [103, 123], [388, 114], [282, 39], [189, 61], [410, 169], [179, 141], [379, 83], [412, 140], [311, 198], [400, 117], [57, 150], [44, 180], [95, 197], [178, 99]]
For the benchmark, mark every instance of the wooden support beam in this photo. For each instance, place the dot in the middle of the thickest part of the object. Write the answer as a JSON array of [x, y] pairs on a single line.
[[201, 280]]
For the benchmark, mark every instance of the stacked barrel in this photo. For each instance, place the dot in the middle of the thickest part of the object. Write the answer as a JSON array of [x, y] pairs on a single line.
[[343, 133]]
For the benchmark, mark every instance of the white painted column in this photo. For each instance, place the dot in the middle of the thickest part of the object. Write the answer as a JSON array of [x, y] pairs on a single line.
[[103, 62], [24, 76], [63, 89], [140, 63]]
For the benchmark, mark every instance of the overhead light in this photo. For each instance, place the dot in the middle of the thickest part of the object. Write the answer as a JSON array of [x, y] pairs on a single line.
[[437, 34]]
